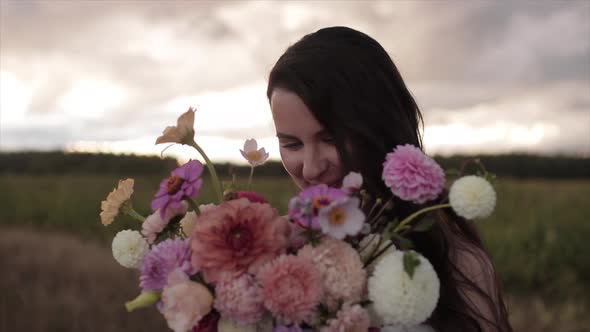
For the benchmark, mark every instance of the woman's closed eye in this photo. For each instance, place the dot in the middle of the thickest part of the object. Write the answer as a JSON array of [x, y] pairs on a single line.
[[291, 145]]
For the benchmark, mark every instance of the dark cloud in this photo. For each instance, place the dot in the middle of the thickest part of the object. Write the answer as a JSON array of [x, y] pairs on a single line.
[[455, 57]]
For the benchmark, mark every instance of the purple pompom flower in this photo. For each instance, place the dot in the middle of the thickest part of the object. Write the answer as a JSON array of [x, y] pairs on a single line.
[[413, 176], [185, 182], [293, 328], [164, 258], [304, 208]]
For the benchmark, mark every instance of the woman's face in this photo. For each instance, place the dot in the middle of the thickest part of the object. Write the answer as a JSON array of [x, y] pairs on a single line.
[[307, 149]]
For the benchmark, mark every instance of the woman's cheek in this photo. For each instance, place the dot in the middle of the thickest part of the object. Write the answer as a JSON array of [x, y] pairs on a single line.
[[291, 162]]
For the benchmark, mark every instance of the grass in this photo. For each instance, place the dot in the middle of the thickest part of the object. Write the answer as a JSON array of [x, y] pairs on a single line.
[[58, 268]]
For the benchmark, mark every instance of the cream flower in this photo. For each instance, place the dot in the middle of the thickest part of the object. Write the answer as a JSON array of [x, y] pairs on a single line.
[[184, 302], [112, 205], [187, 223], [129, 248], [399, 299], [472, 197], [183, 132], [253, 154]]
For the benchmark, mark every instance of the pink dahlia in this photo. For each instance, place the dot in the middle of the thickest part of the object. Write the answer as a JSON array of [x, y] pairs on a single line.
[[252, 196], [413, 176], [240, 299], [185, 182], [235, 237], [292, 288], [208, 323], [349, 319], [340, 265], [304, 208]]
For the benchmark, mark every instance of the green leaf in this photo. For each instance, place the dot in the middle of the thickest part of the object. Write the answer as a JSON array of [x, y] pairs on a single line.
[[389, 228], [404, 243], [424, 224], [411, 261]]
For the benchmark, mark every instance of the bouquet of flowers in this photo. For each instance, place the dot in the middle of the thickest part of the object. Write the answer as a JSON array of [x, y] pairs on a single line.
[[335, 263]]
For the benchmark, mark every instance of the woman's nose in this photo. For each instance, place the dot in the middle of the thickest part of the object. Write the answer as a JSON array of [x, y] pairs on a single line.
[[314, 165]]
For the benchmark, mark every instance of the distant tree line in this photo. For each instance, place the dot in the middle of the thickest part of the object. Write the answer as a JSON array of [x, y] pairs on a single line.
[[506, 165], [75, 163]]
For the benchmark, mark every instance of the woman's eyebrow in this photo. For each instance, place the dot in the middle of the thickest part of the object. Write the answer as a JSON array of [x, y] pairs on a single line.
[[285, 136]]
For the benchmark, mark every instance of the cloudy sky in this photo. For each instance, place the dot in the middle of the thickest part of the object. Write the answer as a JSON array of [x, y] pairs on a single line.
[[110, 75]]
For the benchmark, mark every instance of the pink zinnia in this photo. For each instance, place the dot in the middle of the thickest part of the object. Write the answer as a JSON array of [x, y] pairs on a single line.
[[349, 319], [413, 176], [240, 299], [292, 288], [235, 237], [185, 182], [340, 265]]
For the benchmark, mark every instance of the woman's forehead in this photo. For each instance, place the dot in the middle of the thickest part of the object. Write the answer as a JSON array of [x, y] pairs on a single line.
[[291, 115]]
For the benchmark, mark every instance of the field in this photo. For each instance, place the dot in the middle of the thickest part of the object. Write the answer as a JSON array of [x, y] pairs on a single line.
[[58, 273]]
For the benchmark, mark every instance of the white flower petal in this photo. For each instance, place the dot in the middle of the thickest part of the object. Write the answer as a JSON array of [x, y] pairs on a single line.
[[250, 145]]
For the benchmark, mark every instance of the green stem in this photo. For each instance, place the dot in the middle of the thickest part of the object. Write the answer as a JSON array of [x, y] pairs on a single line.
[[411, 217], [193, 204], [214, 178], [127, 208], [250, 178], [144, 299]]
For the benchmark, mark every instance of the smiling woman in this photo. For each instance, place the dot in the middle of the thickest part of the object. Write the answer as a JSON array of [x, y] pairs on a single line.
[[339, 104]]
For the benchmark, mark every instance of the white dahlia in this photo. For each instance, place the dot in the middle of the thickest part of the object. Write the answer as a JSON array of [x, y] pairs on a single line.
[[398, 298], [129, 248], [472, 197]]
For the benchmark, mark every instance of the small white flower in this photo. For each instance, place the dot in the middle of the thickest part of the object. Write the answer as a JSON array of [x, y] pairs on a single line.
[[399, 299], [188, 222], [129, 248], [472, 197], [253, 155], [352, 182], [112, 205], [342, 217], [183, 132]]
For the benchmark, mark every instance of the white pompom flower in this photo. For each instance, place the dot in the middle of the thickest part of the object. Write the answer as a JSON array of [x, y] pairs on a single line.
[[129, 248], [399, 299], [472, 197]]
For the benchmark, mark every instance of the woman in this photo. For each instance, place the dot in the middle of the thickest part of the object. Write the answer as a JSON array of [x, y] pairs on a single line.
[[339, 104]]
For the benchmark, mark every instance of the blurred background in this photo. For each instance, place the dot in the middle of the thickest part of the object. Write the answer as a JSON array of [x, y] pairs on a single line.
[[87, 86]]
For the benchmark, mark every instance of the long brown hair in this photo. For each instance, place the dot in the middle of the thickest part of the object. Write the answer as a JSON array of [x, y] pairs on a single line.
[[355, 91]]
